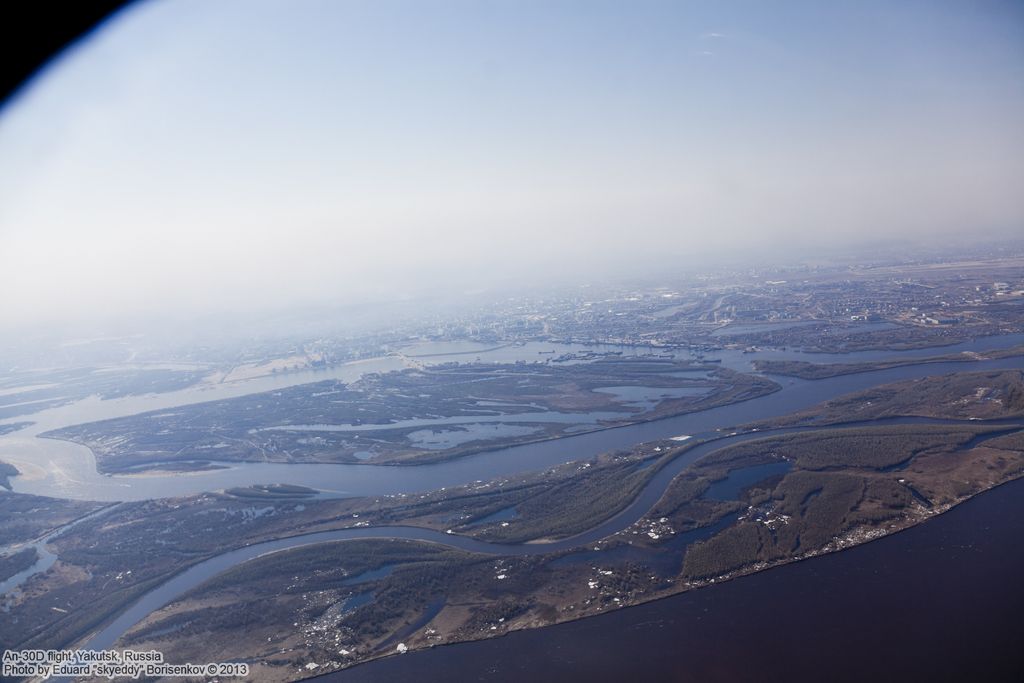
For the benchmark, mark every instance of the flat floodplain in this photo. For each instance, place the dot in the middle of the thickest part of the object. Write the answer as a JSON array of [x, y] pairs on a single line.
[[265, 513], [939, 601], [415, 416]]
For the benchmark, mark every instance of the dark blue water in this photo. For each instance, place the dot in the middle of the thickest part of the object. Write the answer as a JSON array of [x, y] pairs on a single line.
[[502, 515], [372, 575], [942, 601], [797, 394], [644, 501], [356, 601], [730, 487]]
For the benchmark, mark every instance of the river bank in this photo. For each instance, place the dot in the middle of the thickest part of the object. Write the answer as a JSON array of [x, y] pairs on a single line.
[[68, 470], [948, 590], [187, 581]]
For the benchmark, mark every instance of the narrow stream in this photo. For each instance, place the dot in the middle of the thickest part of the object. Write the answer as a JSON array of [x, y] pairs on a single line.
[[648, 496]]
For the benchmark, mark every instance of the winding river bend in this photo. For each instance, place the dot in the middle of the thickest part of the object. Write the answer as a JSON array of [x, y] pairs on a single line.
[[67, 470], [648, 496], [62, 469], [940, 601]]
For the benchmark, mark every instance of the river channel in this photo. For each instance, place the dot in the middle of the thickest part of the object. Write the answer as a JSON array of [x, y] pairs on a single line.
[[55, 456], [648, 496], [67, 470], [940, 601]]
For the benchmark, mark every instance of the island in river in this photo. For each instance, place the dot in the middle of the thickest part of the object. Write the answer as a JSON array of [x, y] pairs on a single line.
[[414, 416], [572, 541], [526, 536]]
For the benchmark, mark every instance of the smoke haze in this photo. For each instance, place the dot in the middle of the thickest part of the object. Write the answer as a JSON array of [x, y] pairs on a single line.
[[198, 156]]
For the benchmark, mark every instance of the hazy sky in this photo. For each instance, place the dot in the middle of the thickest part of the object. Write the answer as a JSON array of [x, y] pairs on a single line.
[[204, 153]]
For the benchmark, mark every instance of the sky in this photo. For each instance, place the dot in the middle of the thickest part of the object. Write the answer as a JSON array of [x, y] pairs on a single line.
[[203, 155]]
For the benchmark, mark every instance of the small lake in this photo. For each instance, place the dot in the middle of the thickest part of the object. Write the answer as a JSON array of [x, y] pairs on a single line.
[[730, 487], [68, 470], [503, 515], [440, 439], [940, 601], [635, 510]]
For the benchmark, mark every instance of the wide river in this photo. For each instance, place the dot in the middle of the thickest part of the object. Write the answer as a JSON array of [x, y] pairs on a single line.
[[648, 496], [941, 601], [67, 470]]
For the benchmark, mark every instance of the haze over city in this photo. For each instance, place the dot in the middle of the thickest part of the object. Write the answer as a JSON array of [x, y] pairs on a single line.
[[546, 340], [193, 156]]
